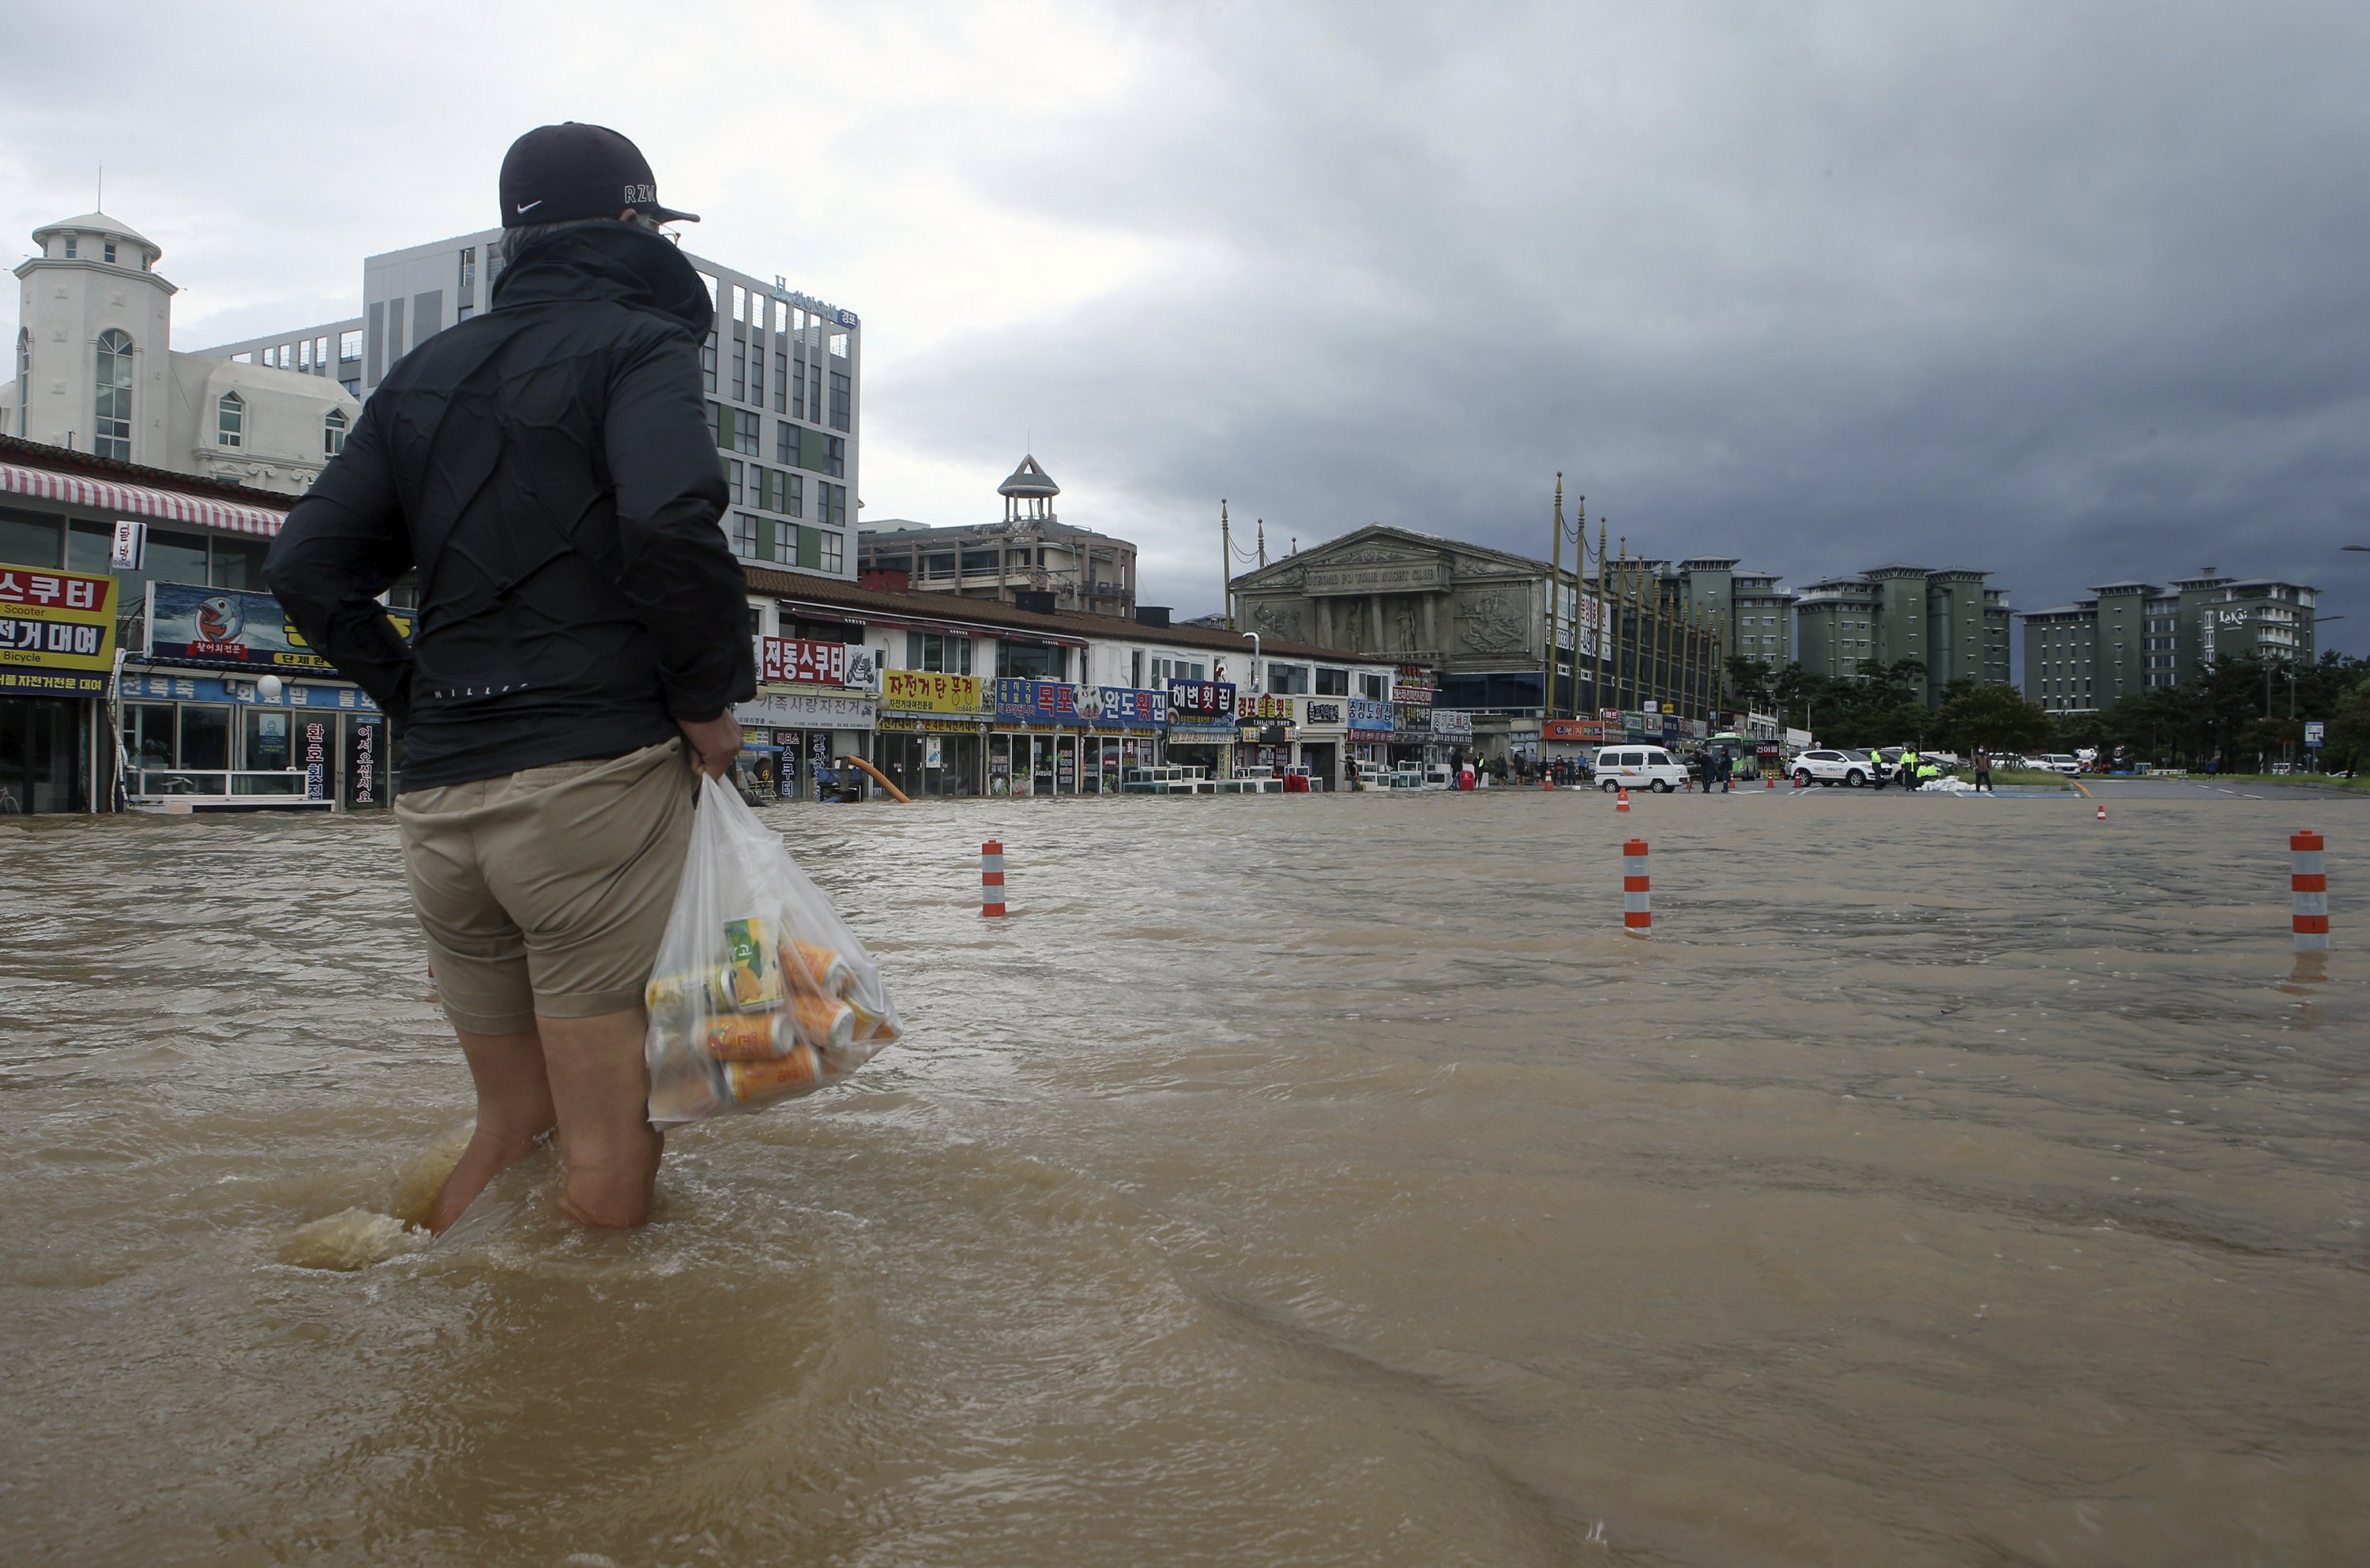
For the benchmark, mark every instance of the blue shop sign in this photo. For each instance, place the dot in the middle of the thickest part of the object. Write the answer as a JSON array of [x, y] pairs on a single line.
[[201, 688], [1369, 716], [1670, 729], [1123, 707], [1021, 701]]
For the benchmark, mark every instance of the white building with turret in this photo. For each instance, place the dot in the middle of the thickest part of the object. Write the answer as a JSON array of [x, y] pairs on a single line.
[[1032, 552], [95, 372]]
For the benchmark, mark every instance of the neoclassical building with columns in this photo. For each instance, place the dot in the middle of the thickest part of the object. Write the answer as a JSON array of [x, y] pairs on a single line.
[[1474, 617], [95, 372]]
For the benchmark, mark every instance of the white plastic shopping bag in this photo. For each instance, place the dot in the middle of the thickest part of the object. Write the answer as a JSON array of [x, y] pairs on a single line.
[[761, 993]]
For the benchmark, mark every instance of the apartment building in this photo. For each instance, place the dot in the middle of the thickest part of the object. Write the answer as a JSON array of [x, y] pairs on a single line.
[[781, 375], [1752, 613], [1948, 620], [332, 350]]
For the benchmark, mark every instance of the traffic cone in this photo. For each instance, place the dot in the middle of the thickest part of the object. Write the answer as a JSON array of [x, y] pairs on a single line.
[[1545, 782], [2102, 813], [1621, 800], [1769, 780]]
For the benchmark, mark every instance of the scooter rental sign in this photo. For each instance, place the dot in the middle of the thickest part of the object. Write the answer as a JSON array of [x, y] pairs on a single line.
[[57, 632]]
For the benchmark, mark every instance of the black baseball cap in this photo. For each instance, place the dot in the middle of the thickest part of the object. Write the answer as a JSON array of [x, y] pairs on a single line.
[[558, 172]]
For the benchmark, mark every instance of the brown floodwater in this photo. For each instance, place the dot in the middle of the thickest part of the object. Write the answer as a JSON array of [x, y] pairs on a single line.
[[1286, 1180]]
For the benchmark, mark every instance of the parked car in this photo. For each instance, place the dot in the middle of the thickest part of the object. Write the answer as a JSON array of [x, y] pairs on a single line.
[[1832, 766], [1638, 767], [2056, 762]]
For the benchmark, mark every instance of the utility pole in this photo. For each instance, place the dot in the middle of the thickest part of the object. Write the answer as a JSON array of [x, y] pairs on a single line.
[[1578, 567], [1226, 561], [1555, 579], [1660, 664], [1621, 625], [1606, 629]]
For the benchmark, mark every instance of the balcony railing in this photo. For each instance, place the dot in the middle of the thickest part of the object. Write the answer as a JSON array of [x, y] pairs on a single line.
[[187, 788]]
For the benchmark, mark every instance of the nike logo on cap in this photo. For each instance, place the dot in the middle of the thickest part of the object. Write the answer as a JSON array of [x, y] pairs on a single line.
[[530, 206]]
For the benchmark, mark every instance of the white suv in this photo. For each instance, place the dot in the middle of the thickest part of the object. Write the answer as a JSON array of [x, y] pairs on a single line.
[[1638, 767], [1830, 767]]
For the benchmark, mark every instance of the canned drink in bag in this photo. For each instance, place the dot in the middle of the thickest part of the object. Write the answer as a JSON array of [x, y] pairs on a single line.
[[684, 1085], [813, 967], [752, 964], [870, 1025], [824, 1023], [758, 1080], [746, 1037], [679, 993]]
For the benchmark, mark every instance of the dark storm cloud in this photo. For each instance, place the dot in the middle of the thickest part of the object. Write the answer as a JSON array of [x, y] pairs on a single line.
[[2068, 294]]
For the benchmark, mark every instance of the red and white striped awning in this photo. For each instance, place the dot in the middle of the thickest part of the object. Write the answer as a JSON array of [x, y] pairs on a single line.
[[138, 500]]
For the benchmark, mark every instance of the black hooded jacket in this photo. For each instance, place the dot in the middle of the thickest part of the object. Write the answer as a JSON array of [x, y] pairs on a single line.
[[548, 468]]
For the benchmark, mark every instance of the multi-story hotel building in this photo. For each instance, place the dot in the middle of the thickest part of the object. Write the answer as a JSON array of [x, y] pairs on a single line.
[[2131, 638]]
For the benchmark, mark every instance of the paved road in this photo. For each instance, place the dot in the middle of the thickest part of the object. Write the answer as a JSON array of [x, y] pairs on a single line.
[[2190, 788]]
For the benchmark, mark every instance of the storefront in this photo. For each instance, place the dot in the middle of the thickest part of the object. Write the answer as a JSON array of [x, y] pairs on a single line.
[[199, 725], [1268, 736], [57, 650], [932, 734], [1368, 731], [1124, 726], [1452, 730], [1202, 729], [1324, 740], [1037, 743], [1565, 740], [814, 708], [192, 735]]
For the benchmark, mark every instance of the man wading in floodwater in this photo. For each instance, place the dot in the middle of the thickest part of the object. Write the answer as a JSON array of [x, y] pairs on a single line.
[[582, 635]]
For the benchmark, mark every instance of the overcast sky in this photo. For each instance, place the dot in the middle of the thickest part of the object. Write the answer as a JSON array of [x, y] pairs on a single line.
[[2071, 293]]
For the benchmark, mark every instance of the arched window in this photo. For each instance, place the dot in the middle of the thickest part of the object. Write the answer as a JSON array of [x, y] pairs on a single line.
[[333, 432], [230, 417], [110, 418]]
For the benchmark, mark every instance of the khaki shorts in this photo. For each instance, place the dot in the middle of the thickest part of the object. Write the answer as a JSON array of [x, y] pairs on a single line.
[[547, 890]]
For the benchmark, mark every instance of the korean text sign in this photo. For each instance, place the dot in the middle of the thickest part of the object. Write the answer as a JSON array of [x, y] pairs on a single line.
[[1201, 702], [927, 691], [1123, 707], [57, 631], [783, 660], [1373, 717], [1036, 702]]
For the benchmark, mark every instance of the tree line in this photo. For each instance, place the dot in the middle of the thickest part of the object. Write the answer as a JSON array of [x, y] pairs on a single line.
[[2235, 712]]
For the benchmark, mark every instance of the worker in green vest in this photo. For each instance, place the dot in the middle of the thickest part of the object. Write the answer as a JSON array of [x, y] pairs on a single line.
[[1908, 773]]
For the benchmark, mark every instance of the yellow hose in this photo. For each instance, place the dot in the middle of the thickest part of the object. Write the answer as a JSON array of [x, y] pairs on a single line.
[[895, 793]]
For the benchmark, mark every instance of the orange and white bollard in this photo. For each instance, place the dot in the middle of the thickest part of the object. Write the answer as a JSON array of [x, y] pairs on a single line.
[[2102, 811], [991, 877], [1768, 779], [2309, 886], [1621, 799], [1637, 889]]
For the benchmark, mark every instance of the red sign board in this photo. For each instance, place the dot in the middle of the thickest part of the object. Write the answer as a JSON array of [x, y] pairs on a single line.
[[1574, 729]]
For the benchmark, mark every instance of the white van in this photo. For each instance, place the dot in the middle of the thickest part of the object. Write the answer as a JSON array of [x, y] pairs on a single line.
[[1638, 767]]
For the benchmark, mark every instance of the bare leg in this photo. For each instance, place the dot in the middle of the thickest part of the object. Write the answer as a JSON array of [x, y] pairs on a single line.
[[514, 1113], [601, 1090]]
